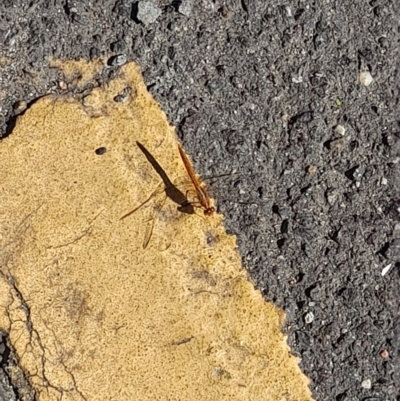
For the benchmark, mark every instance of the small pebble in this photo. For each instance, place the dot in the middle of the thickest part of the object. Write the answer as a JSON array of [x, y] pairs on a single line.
[[340, 130], [62, 85], [148, 12], [366, 78], [124, 95], [312, 169], [384, 181], [366, 384], [386, 269], [211, 240], [384, 354], [117, 60], [86, 101], [20, 107], [309, 317], [288, 11], [185, 8]]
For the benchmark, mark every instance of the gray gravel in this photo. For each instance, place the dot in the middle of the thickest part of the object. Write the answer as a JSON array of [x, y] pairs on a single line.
[[257, 91]]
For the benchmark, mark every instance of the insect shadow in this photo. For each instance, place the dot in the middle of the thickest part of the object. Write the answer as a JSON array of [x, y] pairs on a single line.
[[171, 191]]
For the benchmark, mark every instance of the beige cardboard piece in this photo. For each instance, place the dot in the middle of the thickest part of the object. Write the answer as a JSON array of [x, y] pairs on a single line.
[[90, 313]]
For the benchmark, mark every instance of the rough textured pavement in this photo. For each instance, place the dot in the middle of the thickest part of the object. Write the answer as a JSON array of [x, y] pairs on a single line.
[[301, 155]]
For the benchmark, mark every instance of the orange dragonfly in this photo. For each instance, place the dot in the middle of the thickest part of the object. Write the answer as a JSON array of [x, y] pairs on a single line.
[[201, 192]]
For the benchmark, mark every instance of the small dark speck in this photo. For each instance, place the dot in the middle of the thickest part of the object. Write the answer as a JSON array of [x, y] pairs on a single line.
[[280, 242], [223, 11], [284, 226], [101, 151]]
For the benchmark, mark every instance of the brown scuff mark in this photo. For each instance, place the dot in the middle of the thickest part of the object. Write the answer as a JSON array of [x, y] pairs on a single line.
[[91, 314]]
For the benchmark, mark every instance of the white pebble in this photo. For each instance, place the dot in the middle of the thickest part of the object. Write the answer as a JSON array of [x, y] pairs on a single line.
[[309, 317], [297, 79], [384, 181], [366, 384], [340, 130], [366, 78], [386, 269]]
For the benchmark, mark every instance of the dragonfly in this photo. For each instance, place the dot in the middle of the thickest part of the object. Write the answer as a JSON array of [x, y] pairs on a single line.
[[201, 193], [170, 190]]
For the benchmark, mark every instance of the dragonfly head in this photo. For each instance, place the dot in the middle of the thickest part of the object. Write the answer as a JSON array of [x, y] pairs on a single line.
[[209, 211]]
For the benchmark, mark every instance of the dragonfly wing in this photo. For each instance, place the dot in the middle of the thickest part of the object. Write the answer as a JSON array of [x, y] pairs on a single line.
[[148, 234], [150, 227]]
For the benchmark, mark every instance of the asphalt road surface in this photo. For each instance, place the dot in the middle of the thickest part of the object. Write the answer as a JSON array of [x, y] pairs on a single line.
[[291, 111]]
